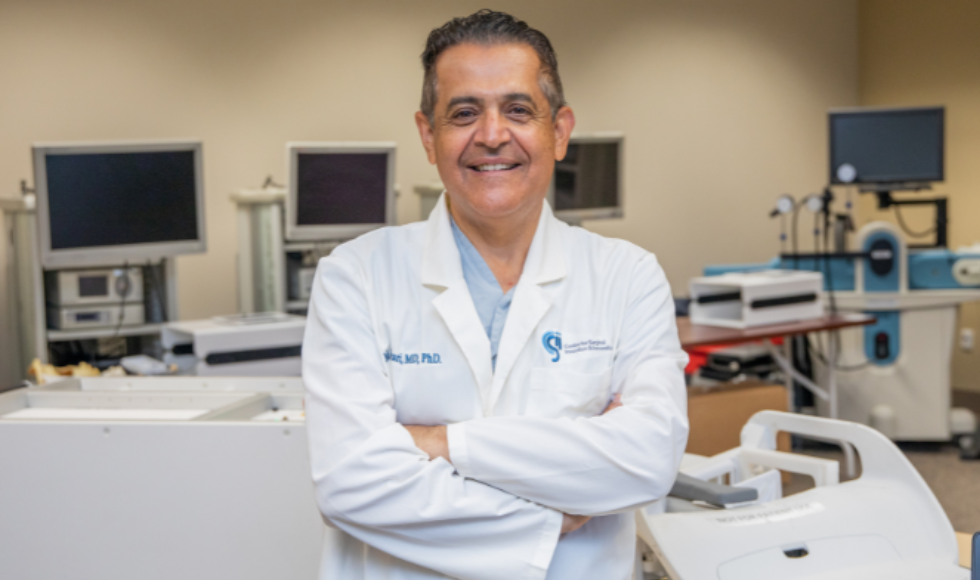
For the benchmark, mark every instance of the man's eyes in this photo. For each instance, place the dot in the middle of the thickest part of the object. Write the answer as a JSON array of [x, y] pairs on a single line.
[[468, 115], [463, 116]]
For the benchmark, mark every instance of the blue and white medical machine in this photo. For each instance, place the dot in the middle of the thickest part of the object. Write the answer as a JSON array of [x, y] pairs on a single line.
[[893, 375]]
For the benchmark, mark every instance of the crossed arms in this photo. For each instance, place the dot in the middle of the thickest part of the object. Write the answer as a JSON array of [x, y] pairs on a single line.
[[499, 507], [433, 440]]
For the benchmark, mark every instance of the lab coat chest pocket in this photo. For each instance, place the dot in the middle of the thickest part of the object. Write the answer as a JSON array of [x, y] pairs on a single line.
[[565, 393]]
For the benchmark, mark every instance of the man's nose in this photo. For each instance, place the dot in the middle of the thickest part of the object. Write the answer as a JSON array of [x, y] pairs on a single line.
[[492, 131]]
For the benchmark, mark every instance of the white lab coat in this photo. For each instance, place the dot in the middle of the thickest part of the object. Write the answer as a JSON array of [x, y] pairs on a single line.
[[393, 338]]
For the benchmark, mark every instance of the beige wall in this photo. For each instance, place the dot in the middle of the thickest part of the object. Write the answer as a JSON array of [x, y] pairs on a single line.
[[723, 102], [922, 52]]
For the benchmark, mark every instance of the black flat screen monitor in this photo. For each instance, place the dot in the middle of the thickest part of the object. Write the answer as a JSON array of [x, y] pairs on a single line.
[[339, 190], [110, 203], [885, 146], [588, 181]]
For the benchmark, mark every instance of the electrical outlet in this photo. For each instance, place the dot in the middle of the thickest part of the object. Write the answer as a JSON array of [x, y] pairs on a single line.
[[966, 339]]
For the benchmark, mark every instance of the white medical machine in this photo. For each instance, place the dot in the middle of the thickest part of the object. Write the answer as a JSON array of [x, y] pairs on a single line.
[[94, 298], [893, 375], [884, 525], [746, 299], [263, 344], [898, 378], [336, 191], [157, 478], [101, 214]]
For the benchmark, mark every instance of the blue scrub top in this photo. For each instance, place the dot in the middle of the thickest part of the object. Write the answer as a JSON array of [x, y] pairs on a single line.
[[492, 305]]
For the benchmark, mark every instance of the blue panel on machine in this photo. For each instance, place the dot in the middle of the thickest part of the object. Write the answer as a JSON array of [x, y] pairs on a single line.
[[933, 269], [881, 268], [882, 342], [718, 270]]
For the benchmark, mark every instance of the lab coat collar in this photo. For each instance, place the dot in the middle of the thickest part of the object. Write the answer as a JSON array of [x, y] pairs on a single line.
[[441, 264], [442, 267]]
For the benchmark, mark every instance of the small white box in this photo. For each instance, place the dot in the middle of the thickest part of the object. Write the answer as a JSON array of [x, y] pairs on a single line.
[[104, 316], [266, 344], [745, 299]]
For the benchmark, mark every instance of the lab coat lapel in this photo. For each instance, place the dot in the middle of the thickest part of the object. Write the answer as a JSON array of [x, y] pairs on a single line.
[[545, 263], [441, 268]]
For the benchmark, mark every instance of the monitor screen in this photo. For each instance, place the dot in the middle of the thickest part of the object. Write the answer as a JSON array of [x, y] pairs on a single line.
[[341, 188], [588, 177], [887, 145], [113, 199]]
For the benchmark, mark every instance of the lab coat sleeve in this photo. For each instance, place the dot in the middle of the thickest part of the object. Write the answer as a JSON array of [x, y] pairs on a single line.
[[371, 480], [615, 462]]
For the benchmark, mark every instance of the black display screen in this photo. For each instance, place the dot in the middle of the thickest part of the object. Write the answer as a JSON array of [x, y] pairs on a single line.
[[903, 145], [588, 177], [89, 286], [341, 188], [110, 199]]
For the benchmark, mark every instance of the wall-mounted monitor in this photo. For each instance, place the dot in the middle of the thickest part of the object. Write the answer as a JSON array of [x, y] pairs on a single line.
[[588, 182], [887, 146], [109, 203], [339, 190]]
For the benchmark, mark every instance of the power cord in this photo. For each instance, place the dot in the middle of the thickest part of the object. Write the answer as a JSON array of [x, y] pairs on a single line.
[[908, 231], [158, 288], [123, 286]]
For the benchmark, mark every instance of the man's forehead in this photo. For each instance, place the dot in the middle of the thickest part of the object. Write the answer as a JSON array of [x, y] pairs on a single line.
[[488, 71]]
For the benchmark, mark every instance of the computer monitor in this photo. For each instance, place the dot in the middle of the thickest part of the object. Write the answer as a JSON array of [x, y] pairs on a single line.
[[588, 182], [104, 204], [887, 146], [339, 190]]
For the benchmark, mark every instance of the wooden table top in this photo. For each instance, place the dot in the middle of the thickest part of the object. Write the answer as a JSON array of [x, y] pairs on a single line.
[[700, 335]]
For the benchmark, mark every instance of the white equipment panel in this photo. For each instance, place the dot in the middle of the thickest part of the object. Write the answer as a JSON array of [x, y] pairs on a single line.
[[218, 496]]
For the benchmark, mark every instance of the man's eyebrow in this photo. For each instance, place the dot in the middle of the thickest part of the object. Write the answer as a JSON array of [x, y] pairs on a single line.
[[519, 97], [464, 101]]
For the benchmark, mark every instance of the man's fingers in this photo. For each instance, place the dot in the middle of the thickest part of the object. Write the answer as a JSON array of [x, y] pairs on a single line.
[[431, 439], [570, 523], [615, 403]]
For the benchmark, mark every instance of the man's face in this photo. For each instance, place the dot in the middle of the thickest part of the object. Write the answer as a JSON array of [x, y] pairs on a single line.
[[493, 137]]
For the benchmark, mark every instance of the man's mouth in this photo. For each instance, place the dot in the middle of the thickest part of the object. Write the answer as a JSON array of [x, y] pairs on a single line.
[[494, 167]]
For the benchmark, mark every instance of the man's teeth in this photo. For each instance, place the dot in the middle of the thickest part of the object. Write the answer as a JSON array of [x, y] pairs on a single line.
[[495, 166]]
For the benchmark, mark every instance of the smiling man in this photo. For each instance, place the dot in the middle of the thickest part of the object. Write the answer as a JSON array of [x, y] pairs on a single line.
[[490, 393]]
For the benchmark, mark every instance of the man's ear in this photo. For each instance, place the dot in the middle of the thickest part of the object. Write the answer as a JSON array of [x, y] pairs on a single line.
[[428, 138], [564, 124]]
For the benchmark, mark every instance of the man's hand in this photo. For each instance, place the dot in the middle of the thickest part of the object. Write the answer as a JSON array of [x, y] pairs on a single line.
[[431, 439], [614, 404], [570, 523]]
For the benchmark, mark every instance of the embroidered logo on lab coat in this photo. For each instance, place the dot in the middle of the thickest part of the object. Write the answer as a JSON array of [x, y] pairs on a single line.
[[552, 344]]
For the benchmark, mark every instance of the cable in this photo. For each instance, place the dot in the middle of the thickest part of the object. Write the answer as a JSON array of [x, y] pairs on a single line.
[[828, 265], [816, 237], [907, 230], [795, 237], [158, 288], [122, 302], [782, 233]]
